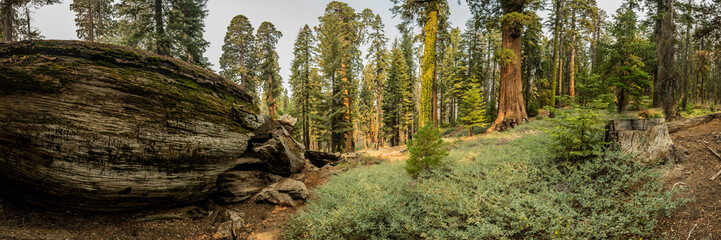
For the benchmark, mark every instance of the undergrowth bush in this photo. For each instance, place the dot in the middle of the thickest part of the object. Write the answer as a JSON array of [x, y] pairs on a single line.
[[426, 150], [577, 134], [499, 186]]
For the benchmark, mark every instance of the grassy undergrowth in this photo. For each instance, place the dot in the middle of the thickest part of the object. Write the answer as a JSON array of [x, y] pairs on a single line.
[[498, 186]]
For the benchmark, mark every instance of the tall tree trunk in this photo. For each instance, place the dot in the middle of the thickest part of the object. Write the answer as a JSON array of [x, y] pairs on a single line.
[[8, 18], [687, 63], [572, 58], [556, 51], [428, 85], [27, 23], [306, 107], [452, 114], [271, 98], [91, 20], [511, 110], [666, 92], [161, 43], [349, 146]]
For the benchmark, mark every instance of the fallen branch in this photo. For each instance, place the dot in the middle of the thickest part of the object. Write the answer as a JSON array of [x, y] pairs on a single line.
[[713, 151], [689, 232], [715, 176]]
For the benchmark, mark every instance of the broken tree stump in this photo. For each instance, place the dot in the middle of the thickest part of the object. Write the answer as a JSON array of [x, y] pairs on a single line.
[[647, 138]]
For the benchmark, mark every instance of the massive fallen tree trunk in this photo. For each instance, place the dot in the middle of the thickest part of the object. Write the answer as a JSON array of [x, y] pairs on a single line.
[[102, 127], [647, 138], [676, 126]]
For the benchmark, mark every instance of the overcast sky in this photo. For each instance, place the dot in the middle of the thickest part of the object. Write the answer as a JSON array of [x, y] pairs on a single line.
[[289, 16]]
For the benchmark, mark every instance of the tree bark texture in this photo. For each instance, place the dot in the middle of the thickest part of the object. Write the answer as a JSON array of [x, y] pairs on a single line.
[[511, 108], [428, 85]]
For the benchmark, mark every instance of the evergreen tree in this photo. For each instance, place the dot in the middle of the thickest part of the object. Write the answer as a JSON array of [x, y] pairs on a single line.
[[410, 113], [625, 68], [474, 113], [238, 60], [267, 37], [17, 24], [377, 55], [339, 36], [393, 105], [366, 108], [431, 15], [300, 79], [94, 19], [171, 28]]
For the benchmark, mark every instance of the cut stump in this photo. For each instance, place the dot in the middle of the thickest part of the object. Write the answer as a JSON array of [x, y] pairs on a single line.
[[647, 138]]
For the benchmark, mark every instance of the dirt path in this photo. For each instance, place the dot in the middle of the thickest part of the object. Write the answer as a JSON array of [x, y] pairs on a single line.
[[700, 219]]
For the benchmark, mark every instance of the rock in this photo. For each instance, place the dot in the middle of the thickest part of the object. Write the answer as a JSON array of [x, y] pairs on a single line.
[[107, 128], [320, 159], [238, 186], [283, 193], [647, 138], [287, 122], [283, 154], [230, 227]]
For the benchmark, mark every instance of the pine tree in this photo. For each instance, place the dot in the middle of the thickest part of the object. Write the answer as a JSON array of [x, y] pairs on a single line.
[[171, 28], [267, 37], [474, 113], [300, 79], [366, 108], [393, 105], [625, 71], [238, 60], [431, 15], [377, 55], [94, 19], [16, 24], [410, 113]]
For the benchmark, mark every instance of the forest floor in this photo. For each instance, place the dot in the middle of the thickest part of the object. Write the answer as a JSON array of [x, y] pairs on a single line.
[[697, 219], [700, 218]]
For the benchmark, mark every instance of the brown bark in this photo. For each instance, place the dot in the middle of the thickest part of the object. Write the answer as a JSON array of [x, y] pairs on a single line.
[[511, 110], [91, 26], [8, 15], [161, 44], [271, 98], [572, 59]]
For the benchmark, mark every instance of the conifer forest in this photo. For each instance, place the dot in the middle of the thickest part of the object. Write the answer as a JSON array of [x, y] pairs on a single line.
[[378, 119]]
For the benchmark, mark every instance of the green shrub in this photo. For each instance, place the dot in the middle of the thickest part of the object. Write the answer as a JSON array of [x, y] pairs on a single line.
[[577, 135], [426, 150], [532, 109], [494, 188]]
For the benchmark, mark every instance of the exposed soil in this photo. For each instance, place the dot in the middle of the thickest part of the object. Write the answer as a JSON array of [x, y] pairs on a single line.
[[701, 218], [18, 221]]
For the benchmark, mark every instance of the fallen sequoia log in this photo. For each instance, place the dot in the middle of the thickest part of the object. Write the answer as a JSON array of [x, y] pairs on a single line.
[[676, 126], [648, 138], [106, 128]]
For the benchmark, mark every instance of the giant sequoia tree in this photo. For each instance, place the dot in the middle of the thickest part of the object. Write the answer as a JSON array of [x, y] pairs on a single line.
[[268, 67], [339, 36], [166, 27], [511, 107], [94, 18], [238, 60]]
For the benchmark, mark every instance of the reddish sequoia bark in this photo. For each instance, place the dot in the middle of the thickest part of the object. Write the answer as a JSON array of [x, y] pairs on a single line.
[[511, 110]]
